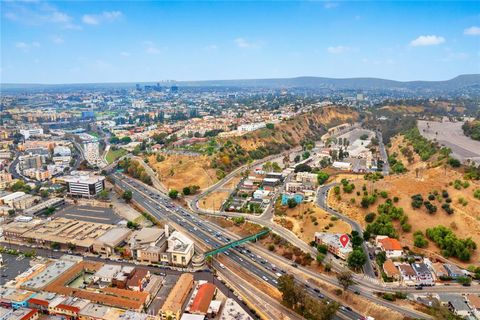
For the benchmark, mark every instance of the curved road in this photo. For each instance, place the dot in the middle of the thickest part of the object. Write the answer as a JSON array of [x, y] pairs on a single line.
[[322, 203]]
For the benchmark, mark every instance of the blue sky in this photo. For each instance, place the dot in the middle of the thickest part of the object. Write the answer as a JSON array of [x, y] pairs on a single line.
[[89, 41]]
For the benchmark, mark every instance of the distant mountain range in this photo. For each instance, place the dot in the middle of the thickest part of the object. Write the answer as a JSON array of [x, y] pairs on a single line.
[[461, 82]]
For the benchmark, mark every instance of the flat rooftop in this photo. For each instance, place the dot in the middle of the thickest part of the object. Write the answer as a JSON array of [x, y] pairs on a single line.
[[51, 272], [89, 214], [120, 298], [62, 230]]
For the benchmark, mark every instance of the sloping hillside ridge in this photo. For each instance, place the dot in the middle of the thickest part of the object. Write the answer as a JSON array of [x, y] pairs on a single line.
[[308, 126]]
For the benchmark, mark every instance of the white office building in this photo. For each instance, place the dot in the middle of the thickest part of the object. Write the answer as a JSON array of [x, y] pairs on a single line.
[[31, 132], [83, 184], [62, 151]]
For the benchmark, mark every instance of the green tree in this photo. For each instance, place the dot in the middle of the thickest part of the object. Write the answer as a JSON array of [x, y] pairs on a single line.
[[322, 177], [419, 240], [49, 211], [186, 191], [173, 194], [133, 225], [356, 259], [292, 203], [454, 163], [345, 279], [320, 257], [44, 193], [370, 217], [127, 196], [286, 285], [126, 140], [464, 280], [104, 194]]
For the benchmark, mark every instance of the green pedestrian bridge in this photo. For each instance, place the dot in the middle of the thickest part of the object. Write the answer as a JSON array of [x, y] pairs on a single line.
[[236, 243]]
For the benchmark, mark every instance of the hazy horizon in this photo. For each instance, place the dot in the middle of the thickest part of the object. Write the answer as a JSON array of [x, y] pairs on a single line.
[[213, 80]]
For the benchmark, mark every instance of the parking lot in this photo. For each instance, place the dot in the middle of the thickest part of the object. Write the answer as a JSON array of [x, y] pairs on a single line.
[[12, 267], [89, 214], [450, 134]]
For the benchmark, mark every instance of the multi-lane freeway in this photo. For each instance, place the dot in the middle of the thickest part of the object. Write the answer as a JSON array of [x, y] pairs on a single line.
[[211, 236]]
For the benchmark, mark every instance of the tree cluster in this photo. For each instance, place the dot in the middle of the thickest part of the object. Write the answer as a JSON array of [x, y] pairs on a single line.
[[450, 245], [135, 170], [472, 129], [422, 146], [296, 298]]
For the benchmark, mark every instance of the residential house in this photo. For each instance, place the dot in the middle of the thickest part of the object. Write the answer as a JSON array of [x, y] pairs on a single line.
[[391, 270], [424, 276], [408, 274], [456, 303], [454, 271], [391, 247], [439, 270]]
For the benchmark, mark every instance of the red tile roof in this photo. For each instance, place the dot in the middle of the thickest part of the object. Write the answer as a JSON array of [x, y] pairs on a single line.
[[390, 244], [203, 298], [390, 269], [68, 308], [38, 302], [30, 315]]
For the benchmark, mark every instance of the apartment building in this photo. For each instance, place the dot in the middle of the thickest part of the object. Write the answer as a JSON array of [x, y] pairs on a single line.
[[334, 246], [173, 305], [31, 162], [5, 179]]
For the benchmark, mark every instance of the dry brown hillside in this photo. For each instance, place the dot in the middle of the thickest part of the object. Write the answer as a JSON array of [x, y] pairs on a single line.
[[421, 178], [310, 125], [178, 171], [233, 152]]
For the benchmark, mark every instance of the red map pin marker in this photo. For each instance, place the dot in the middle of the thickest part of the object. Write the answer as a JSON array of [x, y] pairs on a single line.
[[344, 239]]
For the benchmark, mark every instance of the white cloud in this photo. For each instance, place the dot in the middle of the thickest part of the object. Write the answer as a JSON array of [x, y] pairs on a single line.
[[25, 46], [429, 40], [330, 5], [454, 56], [472, 31], [125, 54], [211, 47], [57, 39], [90, 19], [245, 44], [60, 17], [36, 13], [102, 65], [338, 49], [106, 16], [21, 45], [150, 47]]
